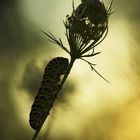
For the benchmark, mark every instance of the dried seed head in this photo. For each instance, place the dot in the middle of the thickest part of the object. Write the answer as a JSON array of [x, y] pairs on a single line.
[[89, 20], [85, 28]]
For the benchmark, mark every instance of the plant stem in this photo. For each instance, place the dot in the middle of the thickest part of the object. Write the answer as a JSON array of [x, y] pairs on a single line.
[[38, 130], [67, 73], [59, 89]]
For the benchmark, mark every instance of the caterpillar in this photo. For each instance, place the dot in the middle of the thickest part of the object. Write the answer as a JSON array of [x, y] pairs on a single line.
[[48, 90]]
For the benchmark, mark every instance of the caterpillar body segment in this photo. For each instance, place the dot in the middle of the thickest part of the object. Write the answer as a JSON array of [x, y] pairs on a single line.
[[48, 91]]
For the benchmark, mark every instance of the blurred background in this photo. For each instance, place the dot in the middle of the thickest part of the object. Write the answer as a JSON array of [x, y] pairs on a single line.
[[88, 108]]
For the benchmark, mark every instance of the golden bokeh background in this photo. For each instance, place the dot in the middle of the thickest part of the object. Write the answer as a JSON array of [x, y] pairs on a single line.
[[88, 107]]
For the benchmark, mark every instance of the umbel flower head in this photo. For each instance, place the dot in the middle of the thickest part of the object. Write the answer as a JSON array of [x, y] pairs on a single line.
[[86, 27]]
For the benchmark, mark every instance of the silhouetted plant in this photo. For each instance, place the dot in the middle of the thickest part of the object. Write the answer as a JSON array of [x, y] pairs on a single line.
[[86, 27]]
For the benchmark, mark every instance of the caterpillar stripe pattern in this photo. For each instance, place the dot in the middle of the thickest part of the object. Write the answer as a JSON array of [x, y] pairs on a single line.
[[48, 91]]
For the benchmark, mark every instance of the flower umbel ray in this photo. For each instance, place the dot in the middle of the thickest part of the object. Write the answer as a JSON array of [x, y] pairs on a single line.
[[86, 28]]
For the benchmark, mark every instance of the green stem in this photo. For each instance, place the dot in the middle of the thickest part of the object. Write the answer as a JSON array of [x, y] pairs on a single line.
[[59, 89]]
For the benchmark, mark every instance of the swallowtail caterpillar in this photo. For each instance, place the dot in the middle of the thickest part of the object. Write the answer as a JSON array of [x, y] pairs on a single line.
[[48, 90]]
